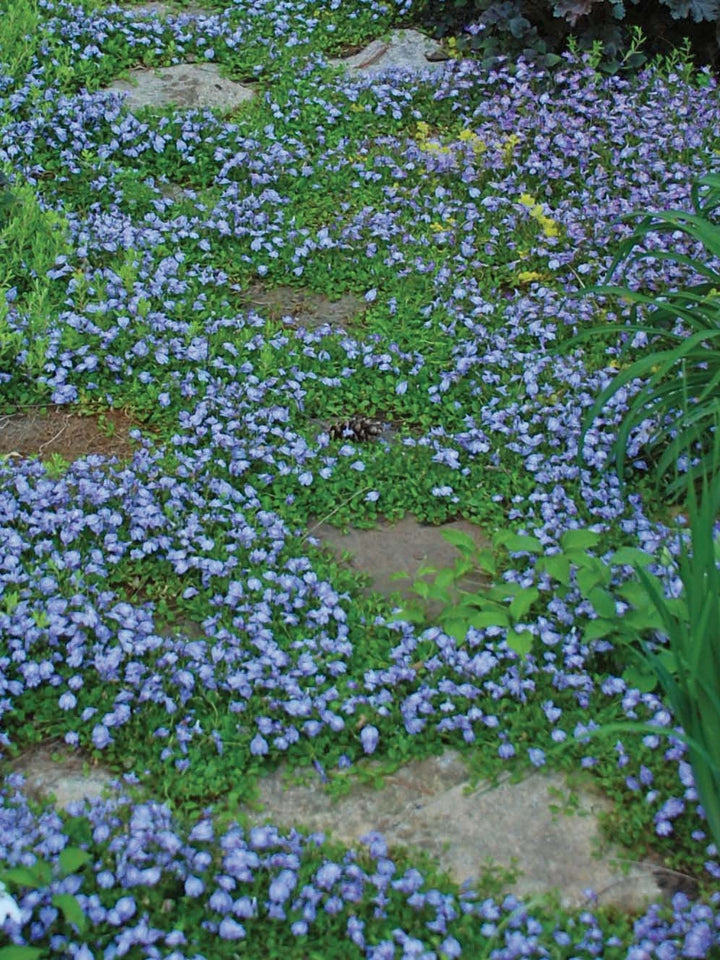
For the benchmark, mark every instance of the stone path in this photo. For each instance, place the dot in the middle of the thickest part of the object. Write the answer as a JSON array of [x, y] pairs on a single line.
[[404, 546], [186, 85], [427, 805], [402, 50], [303, 308]]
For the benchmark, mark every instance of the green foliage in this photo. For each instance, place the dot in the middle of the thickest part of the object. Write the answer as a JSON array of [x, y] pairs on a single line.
[[622, 38], [693, 687], [621, 613], [681, 372]]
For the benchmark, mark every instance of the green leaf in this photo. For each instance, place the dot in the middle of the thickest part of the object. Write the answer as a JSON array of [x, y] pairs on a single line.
[[489, 618], [520, 641], [457, 629], [641, 676], [523, 601], [72, 858], [596, 629], [634, 593], [421, 588], [556, 566], [485, 561], [578, 539], [519, 543], [20, 953], [631, 556], [463, 541], [71, 909], [411, 614], [445, 578], [603, 602], [23, 876]]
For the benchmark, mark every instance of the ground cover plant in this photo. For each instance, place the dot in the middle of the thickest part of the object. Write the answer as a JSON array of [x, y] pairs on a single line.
[[170, 613]]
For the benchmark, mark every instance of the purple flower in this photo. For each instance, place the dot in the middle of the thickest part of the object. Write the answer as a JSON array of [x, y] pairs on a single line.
[[369, 738]]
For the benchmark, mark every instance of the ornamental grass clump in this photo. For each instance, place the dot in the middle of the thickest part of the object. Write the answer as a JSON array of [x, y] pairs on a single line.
[[693, 686], [680, 376]]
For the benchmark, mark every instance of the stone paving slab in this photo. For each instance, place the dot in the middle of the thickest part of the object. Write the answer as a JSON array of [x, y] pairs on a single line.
[[403, 547], [403, 50], [162, 10], [426, 805], [186, 86], [55, 770], [304, 308]]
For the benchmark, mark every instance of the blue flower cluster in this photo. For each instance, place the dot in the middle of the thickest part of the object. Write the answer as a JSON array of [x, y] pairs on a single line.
[[171, 612]]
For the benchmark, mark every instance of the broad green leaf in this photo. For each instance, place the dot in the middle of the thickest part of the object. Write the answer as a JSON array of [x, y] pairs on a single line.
[[603, 602], [634, 593], [556, 566], [579, 539], [445, 578], [71, 909], [523, 601], [457, 629], [519, 543], [72, 858], [20, 953], [520, 641], [489, 618], [631, 556], [641, 676], [596, 629], [421, 588], [485, 560], [23, 876], [441, 594], [463, 541], [411, 614], [587, 580]]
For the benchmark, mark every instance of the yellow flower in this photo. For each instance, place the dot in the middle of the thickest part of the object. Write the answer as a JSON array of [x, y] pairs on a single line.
[[527, 200]]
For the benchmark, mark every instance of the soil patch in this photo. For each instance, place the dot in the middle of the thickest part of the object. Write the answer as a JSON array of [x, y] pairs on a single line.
[[58, 431], [430, 805]]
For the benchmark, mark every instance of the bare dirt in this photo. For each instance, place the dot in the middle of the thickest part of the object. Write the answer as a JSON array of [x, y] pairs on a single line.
[[45, 432]]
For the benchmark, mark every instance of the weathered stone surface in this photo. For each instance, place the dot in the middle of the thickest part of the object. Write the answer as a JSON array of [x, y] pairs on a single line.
[[401, 547], [403, 50], [56, 771], [162, 10], [187, 85], [426, 805], [303, 308]]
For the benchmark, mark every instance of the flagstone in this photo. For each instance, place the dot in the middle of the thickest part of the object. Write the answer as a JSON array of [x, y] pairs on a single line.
[[404, 547], [185, 85], [430, 805], [402, 50], [55, 771], [304, 308]]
